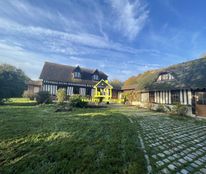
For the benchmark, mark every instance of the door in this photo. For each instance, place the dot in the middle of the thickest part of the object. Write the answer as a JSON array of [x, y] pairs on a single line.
[[201, 104]]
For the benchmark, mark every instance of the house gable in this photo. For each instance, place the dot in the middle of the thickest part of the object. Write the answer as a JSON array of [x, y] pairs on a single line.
[[95, 75], [103, 84], [77, 73]]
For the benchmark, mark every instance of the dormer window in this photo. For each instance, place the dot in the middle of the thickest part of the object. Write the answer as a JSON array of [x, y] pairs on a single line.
[[77, 72], [165, 77], [95, 77], [77, 75]]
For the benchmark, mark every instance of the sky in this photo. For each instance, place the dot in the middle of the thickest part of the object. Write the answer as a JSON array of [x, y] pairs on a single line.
[[120, 37]]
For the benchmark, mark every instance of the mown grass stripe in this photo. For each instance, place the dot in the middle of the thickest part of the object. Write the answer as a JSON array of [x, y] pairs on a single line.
[[149, 167], [131, 121]]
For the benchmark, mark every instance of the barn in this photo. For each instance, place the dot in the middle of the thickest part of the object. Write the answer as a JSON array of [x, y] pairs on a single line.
[[184, 83]]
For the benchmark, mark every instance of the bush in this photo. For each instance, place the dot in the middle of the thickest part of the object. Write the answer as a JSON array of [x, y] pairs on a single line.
[[43, 97], [77, 101], [160, 108], [26, 94], [181, 110], [61, 95], [2, 101]]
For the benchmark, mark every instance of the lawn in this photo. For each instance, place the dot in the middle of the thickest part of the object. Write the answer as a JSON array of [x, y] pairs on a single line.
[[35, 139]]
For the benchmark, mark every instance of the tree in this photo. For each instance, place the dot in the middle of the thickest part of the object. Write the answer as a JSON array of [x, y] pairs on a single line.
[[12, 81], [117, 84]]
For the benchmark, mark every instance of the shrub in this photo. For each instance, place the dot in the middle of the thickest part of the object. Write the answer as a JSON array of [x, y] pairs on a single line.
[[61, 95], [26, 94], [43, 97], [160, 108], [180, 110], [2, 101], [77, 101]]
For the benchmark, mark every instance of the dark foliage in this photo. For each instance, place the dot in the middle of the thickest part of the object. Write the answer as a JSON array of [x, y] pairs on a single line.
[[43, 97], [12, 82], [160, 108], [116, 84], [180, 110], [77, 101]]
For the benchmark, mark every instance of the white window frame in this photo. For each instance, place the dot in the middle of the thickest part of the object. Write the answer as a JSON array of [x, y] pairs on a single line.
[[95, 77], [77, 74], [165, 77]]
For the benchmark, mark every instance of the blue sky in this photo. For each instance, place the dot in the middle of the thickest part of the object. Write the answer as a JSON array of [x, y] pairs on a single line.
[[120, 37]]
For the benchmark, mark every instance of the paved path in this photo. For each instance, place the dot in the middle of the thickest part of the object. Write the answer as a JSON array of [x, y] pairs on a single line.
[[172, 145]]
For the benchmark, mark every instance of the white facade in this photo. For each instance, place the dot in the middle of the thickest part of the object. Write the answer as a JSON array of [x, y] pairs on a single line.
[[165, 97]]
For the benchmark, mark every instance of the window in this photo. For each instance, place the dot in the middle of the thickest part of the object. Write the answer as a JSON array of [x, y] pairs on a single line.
[[77, 75], [165, 76], [201, 98], [151, 97], [175, 97], [88, 91], [76, 90], [95, 77]]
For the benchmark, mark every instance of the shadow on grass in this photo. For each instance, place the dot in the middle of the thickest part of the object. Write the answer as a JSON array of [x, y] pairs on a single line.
[[63, 143]]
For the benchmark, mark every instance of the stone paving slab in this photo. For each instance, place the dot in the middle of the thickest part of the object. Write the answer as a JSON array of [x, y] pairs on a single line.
[[174, 146]]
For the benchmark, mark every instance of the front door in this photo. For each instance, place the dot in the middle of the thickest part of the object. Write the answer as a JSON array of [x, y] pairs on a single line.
[[201, 104]]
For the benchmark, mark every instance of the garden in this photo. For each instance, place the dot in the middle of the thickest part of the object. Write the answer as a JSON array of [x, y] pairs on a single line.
[[113, 139]]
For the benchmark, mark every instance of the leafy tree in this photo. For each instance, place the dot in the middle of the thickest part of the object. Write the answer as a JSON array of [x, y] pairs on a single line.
[[12, 81], [117, 84], [61, 95]]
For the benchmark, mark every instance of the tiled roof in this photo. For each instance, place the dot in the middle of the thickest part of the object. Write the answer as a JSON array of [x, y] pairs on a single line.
[[64, 73]]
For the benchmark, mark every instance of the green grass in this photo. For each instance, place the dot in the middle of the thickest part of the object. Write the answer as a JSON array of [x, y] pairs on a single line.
[[35, 139], [20, 102]]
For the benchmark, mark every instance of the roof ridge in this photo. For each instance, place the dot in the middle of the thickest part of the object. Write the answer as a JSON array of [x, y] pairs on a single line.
[[186, 62], [59, 64], [84, 68]]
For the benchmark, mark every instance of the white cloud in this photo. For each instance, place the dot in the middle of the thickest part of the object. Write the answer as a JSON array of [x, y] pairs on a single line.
[[15, 55], [131, 16], [52, 36], [31, 63], [86, 33]]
